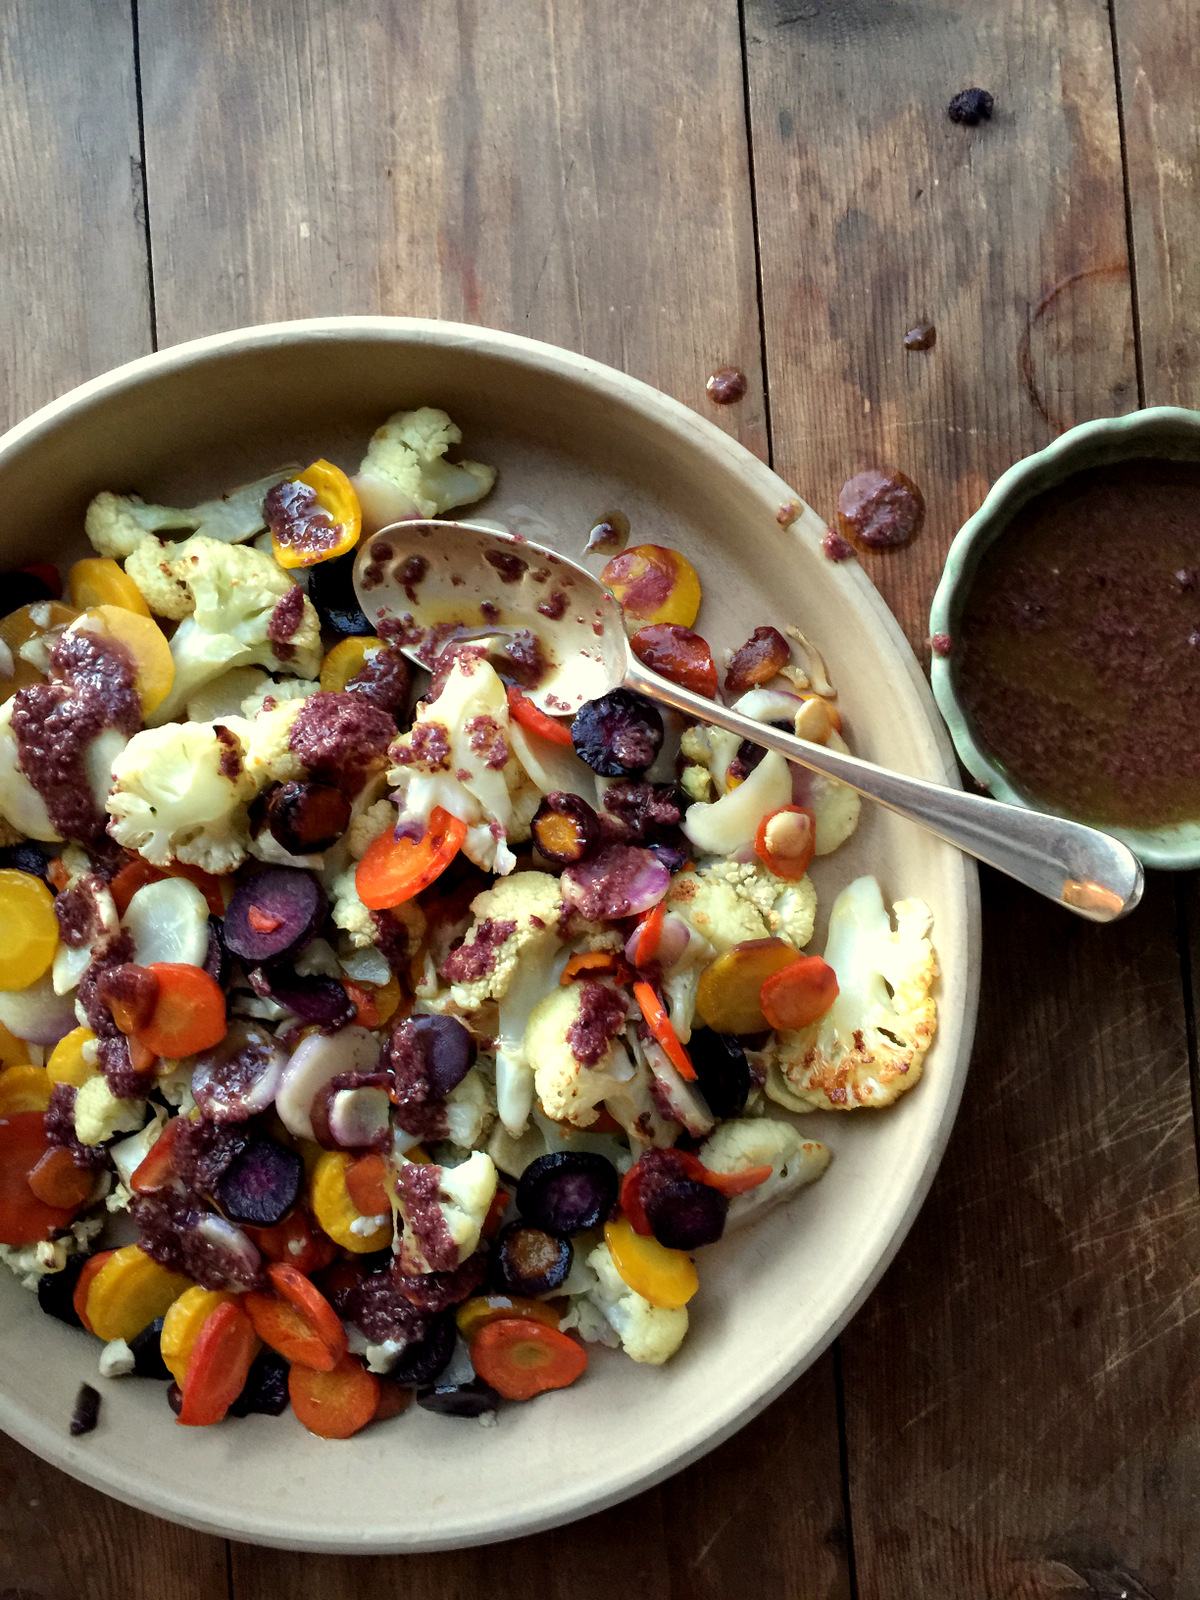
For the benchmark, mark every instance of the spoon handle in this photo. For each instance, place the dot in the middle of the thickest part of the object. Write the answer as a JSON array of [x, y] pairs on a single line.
[[1077, 866]]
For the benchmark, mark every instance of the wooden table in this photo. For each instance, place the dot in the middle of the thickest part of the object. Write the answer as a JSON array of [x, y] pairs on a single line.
[[670, 187]]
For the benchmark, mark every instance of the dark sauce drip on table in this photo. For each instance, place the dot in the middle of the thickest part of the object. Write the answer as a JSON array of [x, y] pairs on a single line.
[[1078, 654]]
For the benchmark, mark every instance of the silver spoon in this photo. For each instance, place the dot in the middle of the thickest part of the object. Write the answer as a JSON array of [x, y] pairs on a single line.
[[425, 583]]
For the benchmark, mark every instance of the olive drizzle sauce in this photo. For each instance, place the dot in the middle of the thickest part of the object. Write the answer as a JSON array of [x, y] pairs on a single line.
[[1077, 657]]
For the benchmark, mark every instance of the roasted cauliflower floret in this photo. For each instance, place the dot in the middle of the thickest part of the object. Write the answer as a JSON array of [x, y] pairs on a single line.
[[118, 523], [528, 905], [266, 696], [788, 909], [368, 825], [406, 459], [713, 908], [269, 754], [99, 1114], [456, 755], [462, 1194], [173, 800], [747, 1142], [246, 612], [650, 1334], [870, 1046], [572, 1043]]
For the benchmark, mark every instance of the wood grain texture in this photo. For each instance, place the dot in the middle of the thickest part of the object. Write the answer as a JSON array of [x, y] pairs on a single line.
[[73, 295], [62, 1541], [876, 212], [73, 302], [576, 173], [1018, 1390], [1157, 49]]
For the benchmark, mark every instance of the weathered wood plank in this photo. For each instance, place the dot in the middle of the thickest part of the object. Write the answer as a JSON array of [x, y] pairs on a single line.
[[73, 302], [876, 212], [574, 173], [1014, 1391], [73, 292], [1157, 49]]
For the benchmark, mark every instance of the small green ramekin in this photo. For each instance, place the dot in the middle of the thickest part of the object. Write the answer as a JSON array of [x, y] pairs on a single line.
[[1166, 432]]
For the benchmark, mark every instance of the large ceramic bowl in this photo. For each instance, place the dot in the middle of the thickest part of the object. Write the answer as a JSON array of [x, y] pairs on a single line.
[[571, 439], [1167, 432]]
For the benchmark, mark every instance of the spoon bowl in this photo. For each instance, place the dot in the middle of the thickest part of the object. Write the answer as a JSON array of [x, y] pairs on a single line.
[[556, 630]]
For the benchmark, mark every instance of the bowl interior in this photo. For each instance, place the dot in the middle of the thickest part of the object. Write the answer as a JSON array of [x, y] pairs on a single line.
[[1166, 432], [571, 440]]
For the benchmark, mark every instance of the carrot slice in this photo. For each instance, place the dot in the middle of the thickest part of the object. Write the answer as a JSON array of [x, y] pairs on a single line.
[[731, 1183], [393, 1399], [475, 1314], [189, 1013], [292, 1286], [649, 935], [366, 1184], [83, 1285], [522, 709], [217, 1366], [521, 1358], [24, 1218], [799, 994], [156, 1169], [57, 1181], [286, 1329], [334, 1404], [366, 1012], [296, 1240], [394, 870], [787, 848], [660, 1026], [596, 964]]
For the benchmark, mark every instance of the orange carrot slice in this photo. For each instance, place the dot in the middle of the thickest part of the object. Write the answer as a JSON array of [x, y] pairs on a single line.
[[799, 994], [522, 1358], [596, 964], [189, 1013], [394, 870], [337, 1403], [366, 1184], [57, 1181], [659, 1023], [522, 709], [217, 1366]]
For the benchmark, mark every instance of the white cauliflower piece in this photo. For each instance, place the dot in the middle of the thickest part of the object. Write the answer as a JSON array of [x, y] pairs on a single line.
[[569, 1089], [728, 825], [284, 689], [464, 1196], [746, 1142], [226, 695], [712, 908], [99, 1113], [406, 458], [349, 913], [469, 1111], [151, 565], [235, 590], [870, 1046], [171, 802], [650, 1334], [788, 909], [455, 756], [269, 754], [368, 825], [118, 523], [30, 1263], [521, 973], [835, 805], [531, 900]]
